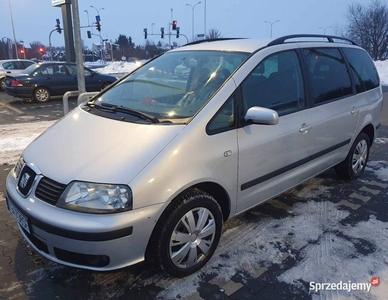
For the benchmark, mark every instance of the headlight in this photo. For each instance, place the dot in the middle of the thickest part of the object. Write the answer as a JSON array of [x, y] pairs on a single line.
[[96, 198]]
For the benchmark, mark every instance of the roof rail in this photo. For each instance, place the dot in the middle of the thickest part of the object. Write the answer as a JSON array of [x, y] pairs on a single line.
[[330, 38], [210, 40]]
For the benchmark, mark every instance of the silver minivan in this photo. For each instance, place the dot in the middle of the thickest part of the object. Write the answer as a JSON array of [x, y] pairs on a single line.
[[151, 167]]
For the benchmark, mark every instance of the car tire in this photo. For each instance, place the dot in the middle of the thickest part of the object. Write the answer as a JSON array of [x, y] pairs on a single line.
[[41, 94], [355, 162], [196, 218], [2, 84]]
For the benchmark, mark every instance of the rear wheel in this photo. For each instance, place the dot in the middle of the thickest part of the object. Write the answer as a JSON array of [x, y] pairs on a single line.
[[2, 84], [41, 94], [187, 234], [354, 164]]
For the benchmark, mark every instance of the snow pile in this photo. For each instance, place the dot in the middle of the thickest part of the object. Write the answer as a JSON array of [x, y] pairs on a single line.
[[382, 68], [16, 137], [120, 67]]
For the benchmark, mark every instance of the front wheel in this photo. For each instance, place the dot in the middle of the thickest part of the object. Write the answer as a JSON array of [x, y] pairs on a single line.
[[354, 164], [41, 94], [187, 234]]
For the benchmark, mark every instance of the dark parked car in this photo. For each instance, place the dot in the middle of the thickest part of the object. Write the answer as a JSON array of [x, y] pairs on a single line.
[[46, 79]]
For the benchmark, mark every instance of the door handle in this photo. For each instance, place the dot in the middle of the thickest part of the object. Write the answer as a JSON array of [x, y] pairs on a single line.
[[354, 111], [305, 128]]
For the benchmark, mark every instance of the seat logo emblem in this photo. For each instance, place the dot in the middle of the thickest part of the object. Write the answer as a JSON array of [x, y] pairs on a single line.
[[24, 180]]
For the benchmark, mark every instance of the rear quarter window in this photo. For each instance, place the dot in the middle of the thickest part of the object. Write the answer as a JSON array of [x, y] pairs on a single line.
[[363, 69]]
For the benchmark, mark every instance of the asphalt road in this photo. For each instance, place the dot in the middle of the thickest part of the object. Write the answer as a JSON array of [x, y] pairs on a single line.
[[325, 229]]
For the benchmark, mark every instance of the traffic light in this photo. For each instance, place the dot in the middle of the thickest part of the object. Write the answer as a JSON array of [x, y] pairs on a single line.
[[145, 33], [58, 27], [41, 50], [174, 25], [89, 34], [177, 32], [21, 51], [162, 33], [98, 26]]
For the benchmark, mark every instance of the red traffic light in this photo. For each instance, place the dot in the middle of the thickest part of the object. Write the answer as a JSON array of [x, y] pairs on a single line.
[[98, 26], [174, 25], [41, 50], [21, 51]]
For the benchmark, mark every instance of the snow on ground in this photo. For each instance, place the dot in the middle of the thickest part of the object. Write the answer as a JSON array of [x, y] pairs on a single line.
[[382, 68], [16, 137]]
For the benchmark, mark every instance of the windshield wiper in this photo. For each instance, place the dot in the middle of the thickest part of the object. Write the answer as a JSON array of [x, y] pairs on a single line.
[[123, 109]]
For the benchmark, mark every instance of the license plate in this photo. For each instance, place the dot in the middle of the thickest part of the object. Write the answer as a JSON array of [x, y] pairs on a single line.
[[21, 219]]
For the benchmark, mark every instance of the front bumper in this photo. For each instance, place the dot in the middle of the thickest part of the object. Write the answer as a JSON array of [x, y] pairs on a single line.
[[88, 241]]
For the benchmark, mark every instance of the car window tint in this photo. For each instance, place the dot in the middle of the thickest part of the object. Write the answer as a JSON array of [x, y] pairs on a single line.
[[328, 72], [224, 119], [18, 65], [27, 64], [276, 83], [8, 66], [363, 69]]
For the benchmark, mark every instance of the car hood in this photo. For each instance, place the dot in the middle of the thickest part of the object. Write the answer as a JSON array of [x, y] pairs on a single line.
[[86, 147]]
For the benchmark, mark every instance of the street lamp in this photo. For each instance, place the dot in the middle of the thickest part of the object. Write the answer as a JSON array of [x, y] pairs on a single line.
[[152, 28], [271, 26], [13, 29], [204, 23], [192, 7], [88, 16], [324, 29], [98, 10]]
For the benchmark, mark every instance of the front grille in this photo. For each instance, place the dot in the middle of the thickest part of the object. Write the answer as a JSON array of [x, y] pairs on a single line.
[[49, 190], [90, 260], [26, 179]]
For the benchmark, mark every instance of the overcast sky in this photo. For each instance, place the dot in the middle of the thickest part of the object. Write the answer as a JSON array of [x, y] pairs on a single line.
[[34, 19]]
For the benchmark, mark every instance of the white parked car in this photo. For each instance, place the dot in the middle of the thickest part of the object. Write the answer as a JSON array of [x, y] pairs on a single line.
[[151, 167], [12, 66]]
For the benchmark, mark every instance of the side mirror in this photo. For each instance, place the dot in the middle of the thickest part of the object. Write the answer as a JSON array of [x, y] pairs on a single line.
[[261, 115]]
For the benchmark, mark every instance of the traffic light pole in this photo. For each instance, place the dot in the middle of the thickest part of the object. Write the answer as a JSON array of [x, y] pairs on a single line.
[[187, 40]]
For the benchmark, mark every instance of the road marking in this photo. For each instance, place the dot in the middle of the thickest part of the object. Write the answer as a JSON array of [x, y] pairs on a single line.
[[349, 204], [382, 185], [359, 197], [195, 296], [18, 111], [231, 287], [372, 191], [257, 273]]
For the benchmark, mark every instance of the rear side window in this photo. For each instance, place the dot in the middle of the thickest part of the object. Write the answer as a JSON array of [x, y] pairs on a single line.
[[363, 69], [329, 76], [275, 83]]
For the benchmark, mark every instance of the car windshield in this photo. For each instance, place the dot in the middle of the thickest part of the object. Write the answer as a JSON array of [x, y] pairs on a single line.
[[30, 68], [174, 86]]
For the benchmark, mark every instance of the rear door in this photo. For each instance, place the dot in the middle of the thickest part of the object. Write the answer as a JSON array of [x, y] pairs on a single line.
[[56, 78], [335, 110], [272, 157]]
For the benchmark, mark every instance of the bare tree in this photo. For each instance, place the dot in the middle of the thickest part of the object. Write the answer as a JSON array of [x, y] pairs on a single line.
[[213, 33], [368, 26]]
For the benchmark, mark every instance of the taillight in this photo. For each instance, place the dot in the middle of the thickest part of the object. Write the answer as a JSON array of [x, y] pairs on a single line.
[[16, 83]]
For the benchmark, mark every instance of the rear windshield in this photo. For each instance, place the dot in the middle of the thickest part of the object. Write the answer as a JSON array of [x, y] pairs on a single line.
[[174, 86]]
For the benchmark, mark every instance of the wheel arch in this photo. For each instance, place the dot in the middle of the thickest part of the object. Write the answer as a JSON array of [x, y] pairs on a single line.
[[370, 131], [215, 190]]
